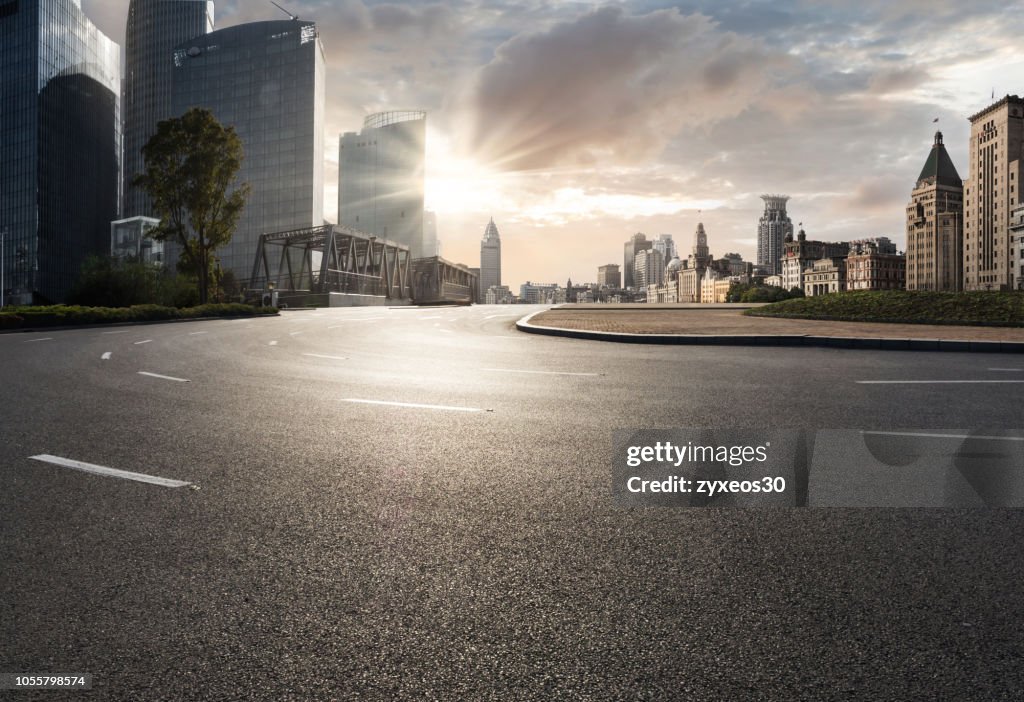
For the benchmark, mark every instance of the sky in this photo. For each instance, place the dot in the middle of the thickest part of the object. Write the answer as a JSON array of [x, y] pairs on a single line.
[[576, 124]]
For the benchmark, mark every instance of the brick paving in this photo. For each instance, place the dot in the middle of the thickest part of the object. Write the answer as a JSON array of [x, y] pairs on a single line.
[[693, 320]]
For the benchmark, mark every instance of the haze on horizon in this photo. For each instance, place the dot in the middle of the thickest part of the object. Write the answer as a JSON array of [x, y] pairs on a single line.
[[575, 125]]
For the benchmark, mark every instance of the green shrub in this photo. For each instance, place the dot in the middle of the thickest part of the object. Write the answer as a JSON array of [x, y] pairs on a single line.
[[66, 315], [906, 306]]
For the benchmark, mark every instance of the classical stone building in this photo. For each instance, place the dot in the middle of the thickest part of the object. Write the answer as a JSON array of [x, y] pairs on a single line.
[[824, 276], [874, 264], [991, 192], [935, 219], [799, 255]]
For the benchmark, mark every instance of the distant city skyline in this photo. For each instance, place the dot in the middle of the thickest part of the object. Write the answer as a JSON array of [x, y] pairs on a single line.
[[832, 105]]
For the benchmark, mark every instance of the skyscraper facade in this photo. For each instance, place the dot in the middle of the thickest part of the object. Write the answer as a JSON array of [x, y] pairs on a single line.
[[153, 30], [666, 246], [490, 258], [637, 243], [990, 194], [380, 178], [608, 276], [772, 230], [59, 145], [935, 225], [265, 79]]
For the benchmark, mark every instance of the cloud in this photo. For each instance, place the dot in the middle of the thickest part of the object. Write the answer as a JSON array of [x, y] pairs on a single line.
[[609, 86]]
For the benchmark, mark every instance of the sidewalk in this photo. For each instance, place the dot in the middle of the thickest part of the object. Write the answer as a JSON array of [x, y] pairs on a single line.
[[719, 325]]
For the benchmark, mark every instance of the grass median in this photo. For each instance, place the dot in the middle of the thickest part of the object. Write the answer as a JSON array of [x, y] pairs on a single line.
[[71, 315], [993, 309]]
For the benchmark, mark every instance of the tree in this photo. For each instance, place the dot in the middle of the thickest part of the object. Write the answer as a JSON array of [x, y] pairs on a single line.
[[190, 163]]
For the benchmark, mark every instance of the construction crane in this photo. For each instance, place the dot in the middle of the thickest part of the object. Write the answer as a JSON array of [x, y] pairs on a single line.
[[290, 15]]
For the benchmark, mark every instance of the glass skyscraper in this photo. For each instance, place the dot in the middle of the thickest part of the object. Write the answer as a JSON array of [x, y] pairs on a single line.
[[59, 145], [490, 258], [380, 179], [265, 79], [153, 29]]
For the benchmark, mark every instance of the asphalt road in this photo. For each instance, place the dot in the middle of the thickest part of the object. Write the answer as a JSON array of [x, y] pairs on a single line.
[[333, 547]]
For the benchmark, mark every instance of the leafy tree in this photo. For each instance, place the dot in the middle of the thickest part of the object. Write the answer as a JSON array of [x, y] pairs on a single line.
[[190, 163], [111, 282]]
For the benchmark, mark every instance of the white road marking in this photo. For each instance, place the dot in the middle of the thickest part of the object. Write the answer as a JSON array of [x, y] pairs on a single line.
[[1008, 370], [121, 331], [933, 382], [294, 333], [112, 472], [945, 436], [45, 338], [272, 343], [164, 377], [320, 355], [413, 404], [492, 316], [436, 316], [143, 342], [446, 331], [194, 333], [538, 372], [106, 356]]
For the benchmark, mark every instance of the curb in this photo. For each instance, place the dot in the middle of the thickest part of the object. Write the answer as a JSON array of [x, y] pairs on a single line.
[[832, 342]]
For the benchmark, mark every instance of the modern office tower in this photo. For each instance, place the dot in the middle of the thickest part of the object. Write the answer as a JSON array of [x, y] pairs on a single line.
[[648, 268], [490, 257], [666, 246], [608, 276], [265, 79], [990, 194], [772, 230], [380, 178], [935, 220], [153, 29], [637, 243], [59, 146]]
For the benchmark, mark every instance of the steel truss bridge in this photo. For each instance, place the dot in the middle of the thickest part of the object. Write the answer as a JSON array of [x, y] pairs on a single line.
[[317, 261], [331, 258]]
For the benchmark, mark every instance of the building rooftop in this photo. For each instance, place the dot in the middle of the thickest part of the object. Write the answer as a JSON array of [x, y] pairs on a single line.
[[939, 168]]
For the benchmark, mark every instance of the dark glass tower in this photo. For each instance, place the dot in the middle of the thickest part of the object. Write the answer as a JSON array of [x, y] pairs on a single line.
[[265, 79], [154, 28], [59, 145]]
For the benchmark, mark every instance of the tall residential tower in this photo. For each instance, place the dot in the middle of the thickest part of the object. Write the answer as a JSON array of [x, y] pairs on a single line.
[[772, 230], [490, 258], [935, 219], [59, 145]]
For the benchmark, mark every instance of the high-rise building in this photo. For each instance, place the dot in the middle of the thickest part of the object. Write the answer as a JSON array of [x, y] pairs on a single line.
[[648, 268], [666, 246], [431, 244], [265, 79], [772, 230], [935, 219], [608, 276], [153, 30], [490, 257], [59, 145], [990, 194], [637, 243], [380, 178]]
